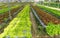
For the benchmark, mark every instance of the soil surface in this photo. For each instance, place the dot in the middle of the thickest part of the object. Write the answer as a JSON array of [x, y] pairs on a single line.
[[34, 25]]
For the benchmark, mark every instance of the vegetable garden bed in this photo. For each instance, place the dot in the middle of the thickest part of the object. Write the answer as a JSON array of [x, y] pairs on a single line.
[[53, 4], [27, 25], [50, 11], [51, 28], [22, 23], [5, 21], [46, 17], [6, 14]]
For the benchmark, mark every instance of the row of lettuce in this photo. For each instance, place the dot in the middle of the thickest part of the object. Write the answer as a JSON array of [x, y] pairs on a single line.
[[20, 26], [51, 29], [49, 10], [8, 8], [53, 4]]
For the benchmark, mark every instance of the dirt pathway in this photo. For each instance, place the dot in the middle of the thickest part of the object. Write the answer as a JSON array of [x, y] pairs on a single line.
[[34, 26]]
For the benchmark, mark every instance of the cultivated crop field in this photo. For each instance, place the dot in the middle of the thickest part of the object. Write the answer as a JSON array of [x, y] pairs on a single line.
[[52, 4], [28, 20]]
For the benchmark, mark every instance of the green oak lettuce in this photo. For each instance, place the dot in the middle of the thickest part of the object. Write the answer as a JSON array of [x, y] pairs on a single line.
[[53, 29]]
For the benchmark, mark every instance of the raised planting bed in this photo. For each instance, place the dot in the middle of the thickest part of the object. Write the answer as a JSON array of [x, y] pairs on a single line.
[[46, 17], [50, 11], [20, 26], [7, 9], [5, 21], [6, 14], [52, 24], [41, 32], [37, 28]]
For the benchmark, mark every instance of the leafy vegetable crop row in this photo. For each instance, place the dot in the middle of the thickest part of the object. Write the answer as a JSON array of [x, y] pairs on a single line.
[[53, 29], [53, 4], [19, 26], [7, 9], [56, 12]]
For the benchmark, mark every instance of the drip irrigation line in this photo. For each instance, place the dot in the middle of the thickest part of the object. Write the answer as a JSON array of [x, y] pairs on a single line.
[[40, 21]]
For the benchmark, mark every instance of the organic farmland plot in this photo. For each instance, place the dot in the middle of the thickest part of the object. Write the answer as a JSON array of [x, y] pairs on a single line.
[[4, 17], [52, 22], [52, 4], [23, 25], [5, 12], [7, 9], [29, 21], [51, 11], [5, 6], [48, 17]]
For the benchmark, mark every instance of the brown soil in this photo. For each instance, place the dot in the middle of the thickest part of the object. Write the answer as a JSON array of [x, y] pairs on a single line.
[[45, 17], [34, 25]]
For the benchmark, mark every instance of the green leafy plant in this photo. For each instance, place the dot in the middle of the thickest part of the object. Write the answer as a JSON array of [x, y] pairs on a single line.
[[19, 26], [56, 12], [52, 4], [53, 29], [7, 9]]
